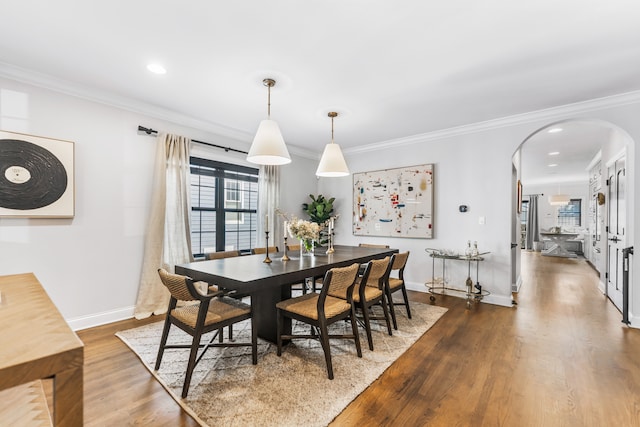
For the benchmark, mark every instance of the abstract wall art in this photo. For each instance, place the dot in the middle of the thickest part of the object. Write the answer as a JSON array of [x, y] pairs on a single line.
[[394, 202]]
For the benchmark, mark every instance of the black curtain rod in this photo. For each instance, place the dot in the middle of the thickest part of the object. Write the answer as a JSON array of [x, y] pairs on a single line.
[[150, 131], [534, 194]]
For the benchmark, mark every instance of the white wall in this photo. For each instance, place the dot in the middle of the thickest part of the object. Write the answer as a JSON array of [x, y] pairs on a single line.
[[473, 166], [548, 214], [468, 170], [90, 265]]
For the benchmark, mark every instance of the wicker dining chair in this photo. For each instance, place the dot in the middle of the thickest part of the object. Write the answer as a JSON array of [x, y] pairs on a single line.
[[263, 250], [303, 285], [373, 245], [232, 294], [321, 310], [211, 312], [318, 280], [222, 254], [369, 290], [395, 284]]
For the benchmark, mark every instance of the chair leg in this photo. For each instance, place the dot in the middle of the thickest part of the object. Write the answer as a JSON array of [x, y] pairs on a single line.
[[406, 301], [280, 321], [354, 328], [254, 341], [192, 363], [163, 341], [386, 313], [367, 326], [324, 340], [391, 308]]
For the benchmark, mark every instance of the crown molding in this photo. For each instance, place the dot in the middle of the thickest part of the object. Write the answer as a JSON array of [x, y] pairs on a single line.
[[551, 114], [45, 81], [65, 87]]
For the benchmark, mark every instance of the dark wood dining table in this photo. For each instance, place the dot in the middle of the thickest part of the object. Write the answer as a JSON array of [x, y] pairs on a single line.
[[269, 283]]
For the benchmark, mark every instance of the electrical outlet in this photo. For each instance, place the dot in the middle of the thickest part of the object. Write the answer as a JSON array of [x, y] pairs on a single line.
[[481, 220]]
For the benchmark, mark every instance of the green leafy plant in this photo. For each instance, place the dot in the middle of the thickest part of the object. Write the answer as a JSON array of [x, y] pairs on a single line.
[[320, 209]]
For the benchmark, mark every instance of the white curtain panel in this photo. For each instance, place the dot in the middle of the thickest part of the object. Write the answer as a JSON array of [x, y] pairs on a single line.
[[269, 192], [533, 229], [168, 237]]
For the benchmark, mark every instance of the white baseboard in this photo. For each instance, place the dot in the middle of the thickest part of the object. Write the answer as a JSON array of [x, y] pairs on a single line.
[[505, 301], [515, 287], [84, 322], [601, 287], [418, 287], [634, 322]]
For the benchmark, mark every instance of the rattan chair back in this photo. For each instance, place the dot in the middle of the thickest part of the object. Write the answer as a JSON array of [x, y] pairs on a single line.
[[376, 272], [373, 245], [272, 249], [177, 285], [222, 254]]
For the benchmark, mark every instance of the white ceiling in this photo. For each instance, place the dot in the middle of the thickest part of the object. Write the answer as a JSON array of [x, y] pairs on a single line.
[[577, 144], [390, 69]]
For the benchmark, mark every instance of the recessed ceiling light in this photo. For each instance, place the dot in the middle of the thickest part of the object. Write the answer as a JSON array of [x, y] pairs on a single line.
[[156, 69], [555, 130], [553, 165], [554, 153]]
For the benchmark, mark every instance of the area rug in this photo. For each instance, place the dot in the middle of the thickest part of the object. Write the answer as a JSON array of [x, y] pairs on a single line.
[[291, 390]]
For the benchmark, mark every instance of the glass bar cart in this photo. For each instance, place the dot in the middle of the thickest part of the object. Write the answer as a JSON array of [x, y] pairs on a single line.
[[438, 285]]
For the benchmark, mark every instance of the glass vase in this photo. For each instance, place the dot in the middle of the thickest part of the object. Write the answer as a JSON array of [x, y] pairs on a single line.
[[307, 247]]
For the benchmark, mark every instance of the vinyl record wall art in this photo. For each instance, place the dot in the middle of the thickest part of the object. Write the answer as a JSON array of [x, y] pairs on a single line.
[[36, 176]]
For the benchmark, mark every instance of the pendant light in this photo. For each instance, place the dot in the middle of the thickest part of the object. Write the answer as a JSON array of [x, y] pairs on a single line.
[[268, 147], [559, 199], [332, 163]]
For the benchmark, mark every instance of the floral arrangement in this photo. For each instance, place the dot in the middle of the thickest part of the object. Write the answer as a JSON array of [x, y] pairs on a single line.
[[303, 230], [308, 232]]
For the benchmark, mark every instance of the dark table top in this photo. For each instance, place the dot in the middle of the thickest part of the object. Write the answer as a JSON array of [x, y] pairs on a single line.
[[249, 274]]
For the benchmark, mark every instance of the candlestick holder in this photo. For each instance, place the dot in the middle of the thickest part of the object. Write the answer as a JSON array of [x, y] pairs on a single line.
[[285, 257], [330, 250], [266, 258]]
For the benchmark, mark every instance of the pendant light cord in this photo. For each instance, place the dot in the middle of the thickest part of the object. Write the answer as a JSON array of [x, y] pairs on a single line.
[[332, 130], [332, 115], [269, 83]]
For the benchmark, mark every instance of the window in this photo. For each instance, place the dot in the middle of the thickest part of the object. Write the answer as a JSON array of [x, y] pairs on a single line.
[[570, 215], [224, 201], [524, 213], [233, 200]]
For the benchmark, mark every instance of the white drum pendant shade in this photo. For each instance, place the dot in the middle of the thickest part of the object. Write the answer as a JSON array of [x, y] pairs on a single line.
[[332, 163], [268, 147]]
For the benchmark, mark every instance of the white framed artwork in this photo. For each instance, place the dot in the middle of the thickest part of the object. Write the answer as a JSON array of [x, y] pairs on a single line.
[[36, 176], [394, 202]]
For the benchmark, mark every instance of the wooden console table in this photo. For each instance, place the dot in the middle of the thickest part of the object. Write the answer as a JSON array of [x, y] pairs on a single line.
[[37, 343]]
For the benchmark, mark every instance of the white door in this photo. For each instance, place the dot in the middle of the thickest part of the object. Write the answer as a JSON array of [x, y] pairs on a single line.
[[616, 230]]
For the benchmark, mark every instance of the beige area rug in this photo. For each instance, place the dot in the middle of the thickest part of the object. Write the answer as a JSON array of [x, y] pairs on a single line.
[[291, 390]]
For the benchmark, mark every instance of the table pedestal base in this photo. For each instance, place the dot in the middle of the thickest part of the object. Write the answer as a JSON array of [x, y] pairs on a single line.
[[557, 250]]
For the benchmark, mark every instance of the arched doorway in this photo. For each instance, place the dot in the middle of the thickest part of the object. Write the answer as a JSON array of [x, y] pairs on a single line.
[[584, 162]]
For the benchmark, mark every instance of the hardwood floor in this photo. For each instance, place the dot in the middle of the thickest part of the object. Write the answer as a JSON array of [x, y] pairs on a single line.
[[561, 357]]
